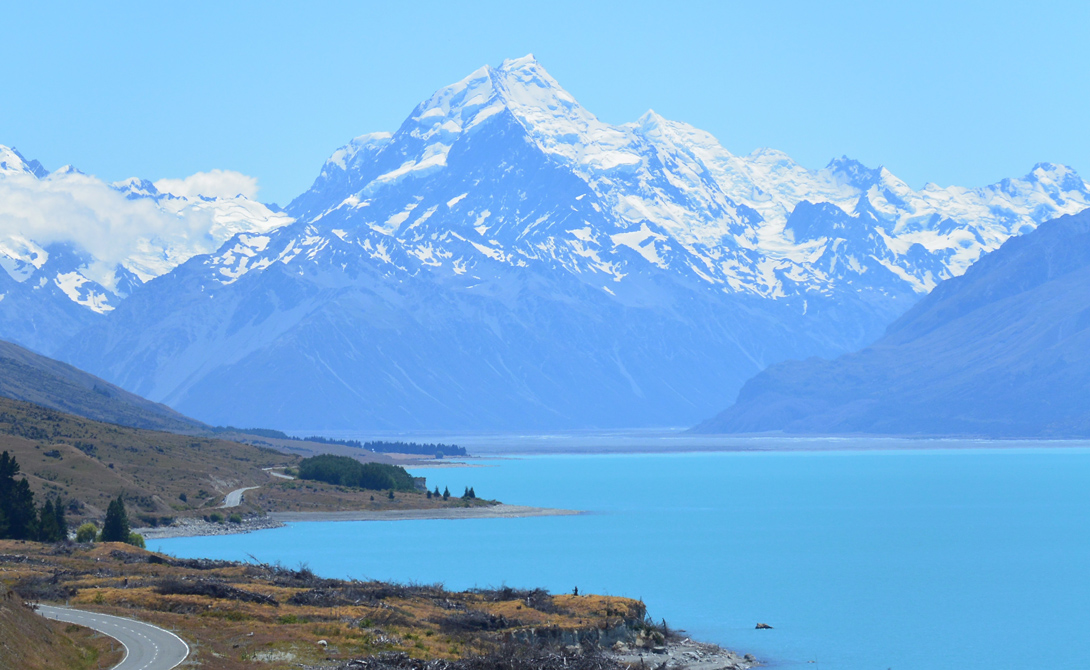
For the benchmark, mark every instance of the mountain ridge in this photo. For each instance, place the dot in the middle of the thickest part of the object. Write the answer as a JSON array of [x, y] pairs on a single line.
[[30, 377], [997, 351]]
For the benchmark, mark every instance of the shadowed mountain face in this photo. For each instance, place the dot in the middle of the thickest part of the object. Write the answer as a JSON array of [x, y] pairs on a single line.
[[43, 381], [1003, 350]]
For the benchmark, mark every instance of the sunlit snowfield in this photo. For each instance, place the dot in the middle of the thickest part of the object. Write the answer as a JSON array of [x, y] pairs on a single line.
[[873, 558]]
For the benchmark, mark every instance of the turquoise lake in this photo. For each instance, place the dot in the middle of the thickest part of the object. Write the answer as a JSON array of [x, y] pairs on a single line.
[[938, 558]]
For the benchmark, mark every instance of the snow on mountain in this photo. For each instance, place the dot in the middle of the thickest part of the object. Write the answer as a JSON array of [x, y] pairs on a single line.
[[505, 259], [998, 351], [93, 243], [672, 191]]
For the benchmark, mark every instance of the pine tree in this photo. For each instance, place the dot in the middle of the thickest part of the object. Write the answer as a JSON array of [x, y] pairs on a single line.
[[47, 523], [472, 493], [116, 526], [22, 515], [446, 493], [62, 523]]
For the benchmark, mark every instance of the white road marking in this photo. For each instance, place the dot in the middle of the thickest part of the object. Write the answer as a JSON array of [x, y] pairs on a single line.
[[111, 626]]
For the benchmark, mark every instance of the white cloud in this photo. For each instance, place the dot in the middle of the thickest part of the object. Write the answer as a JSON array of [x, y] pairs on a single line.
[[211, 184], [148, 238]]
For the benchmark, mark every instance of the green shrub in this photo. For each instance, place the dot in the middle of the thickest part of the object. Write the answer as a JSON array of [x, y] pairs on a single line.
[[290, 619], [136, 540], [345, 471], [87, 532], [215, 517], [235, 518]]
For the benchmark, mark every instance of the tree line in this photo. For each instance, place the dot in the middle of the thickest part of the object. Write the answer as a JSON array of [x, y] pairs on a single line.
[[22, 519], [378, 446], [345, 471]]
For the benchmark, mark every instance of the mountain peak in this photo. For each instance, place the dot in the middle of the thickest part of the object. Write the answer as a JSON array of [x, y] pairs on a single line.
[[13, 162], [851, 171], [67, 170], [526, 62], [650, 118]]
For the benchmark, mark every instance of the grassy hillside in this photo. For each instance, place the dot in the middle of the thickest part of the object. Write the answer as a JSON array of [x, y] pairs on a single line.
[[163, 476], [27, 376], [30, 642], [92, 462]]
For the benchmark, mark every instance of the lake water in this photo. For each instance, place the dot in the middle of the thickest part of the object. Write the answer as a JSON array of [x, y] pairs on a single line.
[[975, 558]]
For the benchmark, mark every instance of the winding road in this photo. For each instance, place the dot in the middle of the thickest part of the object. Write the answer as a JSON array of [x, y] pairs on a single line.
[[234, 498], [147, 647]]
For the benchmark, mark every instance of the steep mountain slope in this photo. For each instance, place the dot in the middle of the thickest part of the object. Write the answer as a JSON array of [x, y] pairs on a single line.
[[1001, 350], [507, 260], [43, 381], [72, 247]]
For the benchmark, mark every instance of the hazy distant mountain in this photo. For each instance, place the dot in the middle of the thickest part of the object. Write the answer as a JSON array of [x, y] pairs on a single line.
[[73, 247], [30, 377], [1002, 350], [507, 260]]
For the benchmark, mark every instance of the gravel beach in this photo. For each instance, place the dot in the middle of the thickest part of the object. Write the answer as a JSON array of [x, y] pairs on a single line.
[[200, 527]]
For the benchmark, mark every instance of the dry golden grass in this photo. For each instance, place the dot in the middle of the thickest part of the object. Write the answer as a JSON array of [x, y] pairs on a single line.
[[228, 629], [31, 642]]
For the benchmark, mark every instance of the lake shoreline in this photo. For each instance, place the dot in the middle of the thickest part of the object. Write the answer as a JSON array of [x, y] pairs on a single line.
[[201, 528]]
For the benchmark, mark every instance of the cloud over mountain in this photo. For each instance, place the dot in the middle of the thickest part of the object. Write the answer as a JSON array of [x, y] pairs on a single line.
[[212, 184]]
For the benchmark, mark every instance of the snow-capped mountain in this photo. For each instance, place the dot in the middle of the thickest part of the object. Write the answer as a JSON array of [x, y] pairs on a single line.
[[67, 237], [676, 197], [505, 259], [997, 351]]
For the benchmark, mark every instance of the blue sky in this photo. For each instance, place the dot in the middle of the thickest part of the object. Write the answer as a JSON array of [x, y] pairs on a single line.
[[964, 93]]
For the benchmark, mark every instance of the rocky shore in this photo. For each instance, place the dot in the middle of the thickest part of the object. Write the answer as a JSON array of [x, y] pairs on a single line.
[[200, 527], [680, 654], [684, 654], [191, 527]]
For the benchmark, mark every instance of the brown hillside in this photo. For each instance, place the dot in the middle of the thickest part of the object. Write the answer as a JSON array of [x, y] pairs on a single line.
[[30, 642], [92, 462]]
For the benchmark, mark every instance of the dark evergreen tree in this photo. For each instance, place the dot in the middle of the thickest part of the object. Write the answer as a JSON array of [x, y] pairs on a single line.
[[116, 526], [472, 493], [437, 494], [446, 493], [429, 495], [62, 523], [47, 523], [8, 469], [22, 515]]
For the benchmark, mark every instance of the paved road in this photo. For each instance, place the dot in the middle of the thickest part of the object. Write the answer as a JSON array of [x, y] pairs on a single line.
[[278, 475], [234, 498], [147, 647]]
